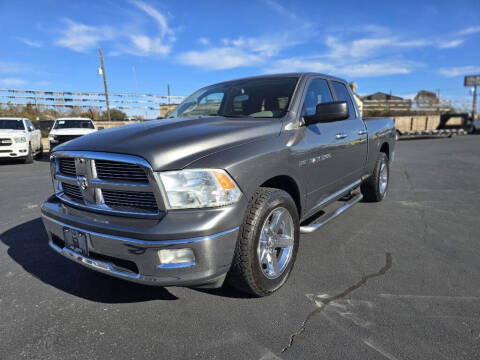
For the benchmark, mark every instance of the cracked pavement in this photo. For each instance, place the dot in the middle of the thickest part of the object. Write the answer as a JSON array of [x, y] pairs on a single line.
[[343, 300]]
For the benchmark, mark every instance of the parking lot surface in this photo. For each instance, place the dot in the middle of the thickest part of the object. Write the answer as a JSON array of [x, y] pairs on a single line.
[[393, 280]]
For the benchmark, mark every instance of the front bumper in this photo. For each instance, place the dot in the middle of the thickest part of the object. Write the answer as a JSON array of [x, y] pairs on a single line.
[[128, 248], [14, 150]]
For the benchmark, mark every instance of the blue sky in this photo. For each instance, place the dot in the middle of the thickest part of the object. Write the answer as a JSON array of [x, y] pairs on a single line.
[[402, 46]]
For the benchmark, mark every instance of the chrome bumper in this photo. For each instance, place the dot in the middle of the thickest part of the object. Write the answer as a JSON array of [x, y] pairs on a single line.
[[213, 255]]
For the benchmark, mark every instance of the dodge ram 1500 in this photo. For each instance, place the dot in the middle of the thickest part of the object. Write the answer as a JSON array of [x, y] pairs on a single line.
[[19, 139], [221, 190]]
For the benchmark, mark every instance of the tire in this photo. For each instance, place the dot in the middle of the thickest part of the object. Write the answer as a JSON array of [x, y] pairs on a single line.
[[375, 188], [29, 157], [397, 135], [40, 153], [248, 272]]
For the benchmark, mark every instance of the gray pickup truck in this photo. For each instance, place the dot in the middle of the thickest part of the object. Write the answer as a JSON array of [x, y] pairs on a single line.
[[221, 190]]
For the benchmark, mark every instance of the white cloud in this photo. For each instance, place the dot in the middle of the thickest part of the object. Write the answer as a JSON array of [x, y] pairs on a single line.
[[127, 40], [352, 69], [159, 44], [376, 69], [280, 9], [12, 82], [300, 64], [220, 58], [450, 44], [12, 68], [80, 37], [459, 70], [238, 52], [204, 41], [470, 30], [32, 43]]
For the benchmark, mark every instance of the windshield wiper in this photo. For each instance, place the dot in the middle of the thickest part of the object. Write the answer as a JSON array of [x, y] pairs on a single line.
[[234, 115]]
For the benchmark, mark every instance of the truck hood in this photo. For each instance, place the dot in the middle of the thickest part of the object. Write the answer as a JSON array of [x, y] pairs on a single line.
[[72, 131], [7, 132], [174, 143]]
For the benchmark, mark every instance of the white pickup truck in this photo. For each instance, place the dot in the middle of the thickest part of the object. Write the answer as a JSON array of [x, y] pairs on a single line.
[[66, 129], [19, 139]]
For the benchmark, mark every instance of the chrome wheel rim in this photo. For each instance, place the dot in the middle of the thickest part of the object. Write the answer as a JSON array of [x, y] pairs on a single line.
[[275, 246], [383, 178]]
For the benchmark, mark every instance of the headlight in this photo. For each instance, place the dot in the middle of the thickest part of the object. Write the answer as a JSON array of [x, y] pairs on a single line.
[[20, 139], [187, 189], [52, 137]]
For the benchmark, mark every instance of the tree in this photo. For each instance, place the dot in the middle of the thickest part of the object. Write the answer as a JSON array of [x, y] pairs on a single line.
[[116, 114]]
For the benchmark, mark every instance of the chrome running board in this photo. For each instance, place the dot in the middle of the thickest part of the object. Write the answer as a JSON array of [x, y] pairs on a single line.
[[325, 218]]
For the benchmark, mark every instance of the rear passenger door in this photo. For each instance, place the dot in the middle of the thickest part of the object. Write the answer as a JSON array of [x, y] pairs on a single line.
[[319, 152], [352, 137]]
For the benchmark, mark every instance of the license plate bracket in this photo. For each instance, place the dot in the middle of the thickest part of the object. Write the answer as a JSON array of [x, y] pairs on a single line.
[[76, 240]]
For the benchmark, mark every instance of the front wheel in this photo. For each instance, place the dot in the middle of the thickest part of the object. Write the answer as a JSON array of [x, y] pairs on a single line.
[[29, 157], [267, 244]]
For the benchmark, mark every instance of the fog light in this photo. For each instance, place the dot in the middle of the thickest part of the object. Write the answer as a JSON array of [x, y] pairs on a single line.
[[176, 258]]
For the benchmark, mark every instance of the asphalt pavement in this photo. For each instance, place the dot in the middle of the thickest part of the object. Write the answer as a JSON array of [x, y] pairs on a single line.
[[393, 280]]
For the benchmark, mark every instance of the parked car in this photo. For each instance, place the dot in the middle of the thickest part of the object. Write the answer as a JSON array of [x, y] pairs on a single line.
[[66, 129], [19, 139], [221, 189]]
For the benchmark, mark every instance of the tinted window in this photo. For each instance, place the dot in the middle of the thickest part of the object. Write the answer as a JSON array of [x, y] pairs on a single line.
[[342, 94], [256, 97], [11, 124], [317, 93], [73, 124]]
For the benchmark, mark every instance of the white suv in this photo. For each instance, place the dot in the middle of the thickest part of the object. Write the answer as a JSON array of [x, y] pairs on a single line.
[[66, 129]]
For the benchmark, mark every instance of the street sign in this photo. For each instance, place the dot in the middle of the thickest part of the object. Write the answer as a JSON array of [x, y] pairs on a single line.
[[472, 80]]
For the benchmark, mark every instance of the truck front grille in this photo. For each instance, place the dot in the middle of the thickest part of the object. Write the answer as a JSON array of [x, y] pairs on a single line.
[[5, 142], [67, 166], [117, 171], [73, 192], [111, 183], [64, 138], [130, 199]]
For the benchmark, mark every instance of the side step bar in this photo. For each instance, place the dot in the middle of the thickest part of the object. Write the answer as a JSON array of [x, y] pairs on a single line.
[[322, 220]]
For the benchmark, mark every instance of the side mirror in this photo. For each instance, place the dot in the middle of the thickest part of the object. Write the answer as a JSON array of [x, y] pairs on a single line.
[[100, 128], [327, 112]]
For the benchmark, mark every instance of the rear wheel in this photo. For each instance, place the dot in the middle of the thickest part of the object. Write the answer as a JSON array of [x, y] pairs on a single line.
[[375, 187], [267, 245]]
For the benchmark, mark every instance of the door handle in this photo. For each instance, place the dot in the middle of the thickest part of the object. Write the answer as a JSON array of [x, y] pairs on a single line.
[[362, 132], [340, 136]]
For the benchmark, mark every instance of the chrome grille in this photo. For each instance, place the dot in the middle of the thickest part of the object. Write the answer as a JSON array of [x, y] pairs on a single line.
[[113, 170], [130, 199], [72, 191], [67, 166], [111, 183], [5, 142]]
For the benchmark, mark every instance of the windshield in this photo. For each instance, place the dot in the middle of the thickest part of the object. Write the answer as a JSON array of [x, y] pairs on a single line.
[[73, 124], [11, 124], [260, 97]]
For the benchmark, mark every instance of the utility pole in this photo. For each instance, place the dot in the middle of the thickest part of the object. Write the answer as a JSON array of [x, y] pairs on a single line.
[[474, 104], [168, 96], [438, 98], [104, 82]]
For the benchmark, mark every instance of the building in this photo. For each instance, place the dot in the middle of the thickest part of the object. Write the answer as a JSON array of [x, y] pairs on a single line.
[[382, 103], [166, 109]]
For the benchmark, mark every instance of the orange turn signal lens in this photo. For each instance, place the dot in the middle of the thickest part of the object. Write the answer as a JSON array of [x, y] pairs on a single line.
[[224, 180]]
